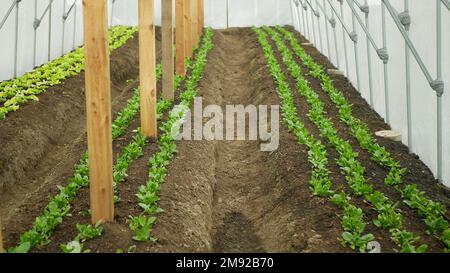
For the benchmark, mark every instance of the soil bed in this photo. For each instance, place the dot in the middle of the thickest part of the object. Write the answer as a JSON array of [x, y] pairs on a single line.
[[219, 196], [41, 143]]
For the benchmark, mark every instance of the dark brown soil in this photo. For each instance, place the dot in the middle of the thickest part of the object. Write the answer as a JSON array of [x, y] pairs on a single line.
[[418, 172], [219, 196], [336, 177], [42, 141], [225, 196]]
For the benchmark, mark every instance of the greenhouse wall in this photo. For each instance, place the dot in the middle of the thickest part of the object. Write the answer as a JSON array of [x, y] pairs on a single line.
[[29, 48], [423, 126]]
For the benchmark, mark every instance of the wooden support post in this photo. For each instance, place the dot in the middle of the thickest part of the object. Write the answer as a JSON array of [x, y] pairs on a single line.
[[194, 14], [188, 28], [201, 17], [98, 109], [147, 67], [167, 50], [1, 237], [180, 41]]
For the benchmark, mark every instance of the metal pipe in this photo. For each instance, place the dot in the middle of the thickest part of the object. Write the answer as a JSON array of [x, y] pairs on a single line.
[[408, 84], [359, 5], [305, 8], [446, 3], [339, 16], [355, 14], [385, 67], [320, 29], [63, 28], [35, 36], [74, 25], [312, 8], [322, 8], [343, 37], [228, 13], [411, 46], [439, 78], [70, 10], [297, 14], [303, 17], [327, 32], [292, 14], [112, 13], [38, 21], [295, 19], [369, 55], [333, 24], [344, 30], [355, 46], [49, 31], [312, 22], [16, 39], [8, 13]]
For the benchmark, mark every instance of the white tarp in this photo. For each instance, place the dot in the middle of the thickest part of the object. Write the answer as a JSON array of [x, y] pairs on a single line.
[[66, 36], [423, 98], [35, 48]]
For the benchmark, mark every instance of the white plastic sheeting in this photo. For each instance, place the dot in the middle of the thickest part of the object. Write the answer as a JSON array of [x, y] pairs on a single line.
[[423, 98], [246, 13], [36, 48]]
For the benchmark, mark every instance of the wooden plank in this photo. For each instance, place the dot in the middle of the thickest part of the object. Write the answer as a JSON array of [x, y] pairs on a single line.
[[167, 50], [194, 14], [1, 237], [201, 16], [147, 67], [180, 41], [188, 28], [98, 109]]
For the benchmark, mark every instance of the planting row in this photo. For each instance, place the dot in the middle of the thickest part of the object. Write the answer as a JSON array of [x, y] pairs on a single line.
[[20, 90], [44, 225], [389, 217], [141, 225], [59, 205], [433, 213], [353, 217], [147, 196]]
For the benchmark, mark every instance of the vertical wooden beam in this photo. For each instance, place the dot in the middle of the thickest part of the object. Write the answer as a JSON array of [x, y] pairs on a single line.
[[180, 41], [194, 14], [147, 67], [188, 28], [167, 50], [98, 109], [201, 16], [1, 237]]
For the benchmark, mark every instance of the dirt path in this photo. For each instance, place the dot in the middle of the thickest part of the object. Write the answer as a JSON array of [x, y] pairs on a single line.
[[241, 168]]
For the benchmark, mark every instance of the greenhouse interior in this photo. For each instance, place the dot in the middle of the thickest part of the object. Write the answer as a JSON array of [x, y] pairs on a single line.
[[225, 126]]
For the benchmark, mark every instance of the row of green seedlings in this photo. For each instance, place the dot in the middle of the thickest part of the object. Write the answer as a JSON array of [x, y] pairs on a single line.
[[130, 153], [389, 218], [20, 90], [147, 196], [59, 206], [133, 151], [353, 217], [432, 212]]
